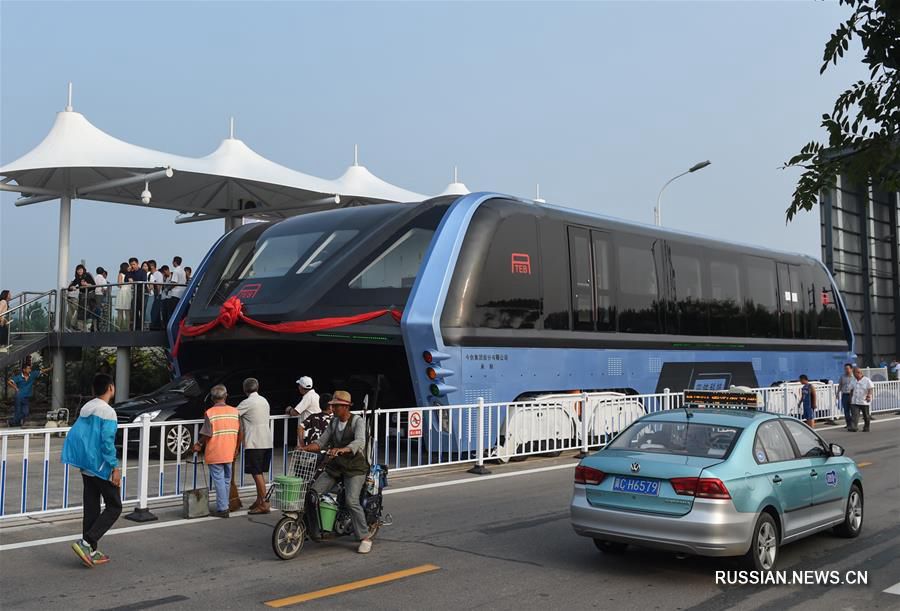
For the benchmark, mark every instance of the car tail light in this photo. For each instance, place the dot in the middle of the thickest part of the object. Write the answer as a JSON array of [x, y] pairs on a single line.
[[700, 487], [589, 476]]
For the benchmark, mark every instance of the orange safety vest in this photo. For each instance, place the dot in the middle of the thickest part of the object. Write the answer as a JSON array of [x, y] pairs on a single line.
[[222, 444]]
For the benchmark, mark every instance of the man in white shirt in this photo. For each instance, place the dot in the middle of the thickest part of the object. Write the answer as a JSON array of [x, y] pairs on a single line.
[[101, 305], [861, 399], [309, 400], [176, 292], [254, 412]]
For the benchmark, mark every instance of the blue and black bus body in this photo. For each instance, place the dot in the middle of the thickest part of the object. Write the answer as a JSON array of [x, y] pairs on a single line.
[[505, 299]]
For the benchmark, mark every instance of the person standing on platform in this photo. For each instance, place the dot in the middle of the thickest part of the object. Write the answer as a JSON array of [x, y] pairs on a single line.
[[254, 411], [154, 301], [176, 292], [861, 400], [137, 275], [845, 391], [4, 323], [90, 446], [312, 428], [808, 401], [218, 442]]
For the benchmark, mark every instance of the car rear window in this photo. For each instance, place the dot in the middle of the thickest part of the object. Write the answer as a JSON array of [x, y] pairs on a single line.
[[683, 438]]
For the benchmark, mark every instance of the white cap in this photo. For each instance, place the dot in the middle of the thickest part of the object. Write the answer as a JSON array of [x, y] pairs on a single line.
[[305, 382]]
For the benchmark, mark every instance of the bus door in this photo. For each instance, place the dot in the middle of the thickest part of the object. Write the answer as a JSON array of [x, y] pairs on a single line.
[[790, 294], [591, 265]]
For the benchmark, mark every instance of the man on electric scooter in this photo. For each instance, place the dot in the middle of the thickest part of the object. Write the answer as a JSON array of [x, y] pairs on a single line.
[[345, 440]]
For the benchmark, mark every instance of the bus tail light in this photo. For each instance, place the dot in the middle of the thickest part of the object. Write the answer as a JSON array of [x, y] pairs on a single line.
[[700, 487], [588, 475], [439, 390], [432, 356]]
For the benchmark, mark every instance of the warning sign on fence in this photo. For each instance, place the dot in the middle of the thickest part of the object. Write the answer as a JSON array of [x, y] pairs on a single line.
[[414, 426]]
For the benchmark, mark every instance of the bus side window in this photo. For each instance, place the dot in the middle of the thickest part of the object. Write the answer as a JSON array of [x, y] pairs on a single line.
[[687, 294], [761, 300], [726, 318], [638, 295], [605, 307]]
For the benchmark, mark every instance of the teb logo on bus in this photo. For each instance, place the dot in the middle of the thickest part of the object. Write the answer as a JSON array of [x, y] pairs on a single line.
[[521, 263]]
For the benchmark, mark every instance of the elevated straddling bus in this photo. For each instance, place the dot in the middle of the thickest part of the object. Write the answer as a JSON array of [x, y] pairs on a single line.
[[507, 299]]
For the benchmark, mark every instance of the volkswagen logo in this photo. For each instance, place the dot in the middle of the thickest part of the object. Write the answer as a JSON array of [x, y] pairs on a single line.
[[635, 467]]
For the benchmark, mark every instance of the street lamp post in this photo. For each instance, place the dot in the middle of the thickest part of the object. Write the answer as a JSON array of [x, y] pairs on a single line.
[[657, 212]]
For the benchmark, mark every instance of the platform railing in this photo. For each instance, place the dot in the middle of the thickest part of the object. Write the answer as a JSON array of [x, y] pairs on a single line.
[[157, 462], [127, 306], [32, 315]]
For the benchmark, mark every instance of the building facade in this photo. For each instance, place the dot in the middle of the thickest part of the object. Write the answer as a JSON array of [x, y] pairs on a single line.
[[860, 228]]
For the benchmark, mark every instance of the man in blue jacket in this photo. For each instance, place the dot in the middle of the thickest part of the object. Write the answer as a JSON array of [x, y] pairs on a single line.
[[90, 446]]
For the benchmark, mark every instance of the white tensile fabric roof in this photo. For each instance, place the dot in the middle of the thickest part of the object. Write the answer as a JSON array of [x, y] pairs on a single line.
[[78, 158]]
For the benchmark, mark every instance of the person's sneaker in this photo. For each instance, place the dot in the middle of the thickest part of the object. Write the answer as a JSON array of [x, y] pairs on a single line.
[[83, 550], [219, 514], [99, 557], [365, 546]]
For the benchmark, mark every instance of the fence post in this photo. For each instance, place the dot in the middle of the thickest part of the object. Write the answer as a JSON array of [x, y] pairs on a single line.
[[141, 512], [585, 438], [667, 399], [787, 410], [479, 468]]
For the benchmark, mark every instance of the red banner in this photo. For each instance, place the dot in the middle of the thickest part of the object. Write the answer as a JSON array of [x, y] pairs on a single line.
[[232, 312]]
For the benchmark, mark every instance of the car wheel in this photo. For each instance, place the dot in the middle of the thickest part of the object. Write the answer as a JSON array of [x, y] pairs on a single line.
[[178, 438], [764, 545], [610, 547], [853, 515]]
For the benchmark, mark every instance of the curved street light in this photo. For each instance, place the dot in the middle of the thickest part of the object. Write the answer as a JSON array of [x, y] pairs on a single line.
[[657, 213]]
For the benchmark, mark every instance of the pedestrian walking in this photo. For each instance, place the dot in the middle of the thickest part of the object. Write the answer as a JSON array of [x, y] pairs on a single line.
[[845, 391], [808, 401], [254, 411], [4, 323], [218, 442], [861, 400], [90, 445], [23, 385]]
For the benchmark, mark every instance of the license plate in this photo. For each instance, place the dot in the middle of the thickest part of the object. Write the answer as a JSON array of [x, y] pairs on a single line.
[[636, 485]]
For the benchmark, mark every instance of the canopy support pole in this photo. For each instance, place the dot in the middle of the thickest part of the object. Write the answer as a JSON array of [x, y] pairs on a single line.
[[58, 378]]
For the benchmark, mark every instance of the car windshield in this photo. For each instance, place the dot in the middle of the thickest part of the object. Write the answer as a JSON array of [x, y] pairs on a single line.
[[683, 438]]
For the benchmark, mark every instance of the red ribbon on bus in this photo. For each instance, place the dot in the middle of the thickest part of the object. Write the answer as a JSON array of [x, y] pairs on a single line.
[[232, 312]]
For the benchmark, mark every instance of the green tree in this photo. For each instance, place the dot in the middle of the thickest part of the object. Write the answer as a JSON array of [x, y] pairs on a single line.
[[862, 127]]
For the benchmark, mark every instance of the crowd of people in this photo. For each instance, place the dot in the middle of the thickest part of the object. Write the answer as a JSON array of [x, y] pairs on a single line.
[[146, 296], [325, 424]]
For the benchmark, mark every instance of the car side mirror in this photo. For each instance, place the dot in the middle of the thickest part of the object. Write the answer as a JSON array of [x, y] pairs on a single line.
[[836, 450]]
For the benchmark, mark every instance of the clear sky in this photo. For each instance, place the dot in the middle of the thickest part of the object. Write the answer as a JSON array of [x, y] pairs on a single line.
[[600, 103]]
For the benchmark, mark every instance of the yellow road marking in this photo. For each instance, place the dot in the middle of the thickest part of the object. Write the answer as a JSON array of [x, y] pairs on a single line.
[[353, 585], [863, 464]]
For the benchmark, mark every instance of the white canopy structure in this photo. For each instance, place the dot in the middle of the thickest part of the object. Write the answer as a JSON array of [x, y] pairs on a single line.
[[80, 160], [455, 187]]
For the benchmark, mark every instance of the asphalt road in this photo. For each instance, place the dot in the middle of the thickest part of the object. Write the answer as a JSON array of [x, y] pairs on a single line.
[[498, 543]]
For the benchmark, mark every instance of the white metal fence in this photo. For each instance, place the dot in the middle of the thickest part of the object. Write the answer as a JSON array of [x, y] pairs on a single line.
[[156, 464]]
